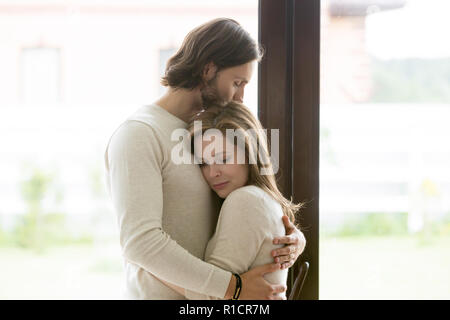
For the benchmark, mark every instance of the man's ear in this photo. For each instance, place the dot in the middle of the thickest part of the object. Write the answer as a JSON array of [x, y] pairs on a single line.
[[209, 71]]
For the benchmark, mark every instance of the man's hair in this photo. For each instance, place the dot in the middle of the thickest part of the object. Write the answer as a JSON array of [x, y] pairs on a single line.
[[221, 41]]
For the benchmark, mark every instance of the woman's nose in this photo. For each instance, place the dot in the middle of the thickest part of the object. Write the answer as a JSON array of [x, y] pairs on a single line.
[[214, 171]]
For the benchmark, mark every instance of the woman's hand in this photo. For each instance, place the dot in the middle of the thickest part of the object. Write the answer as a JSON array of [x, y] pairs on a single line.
[[295, 244], [255, 286]]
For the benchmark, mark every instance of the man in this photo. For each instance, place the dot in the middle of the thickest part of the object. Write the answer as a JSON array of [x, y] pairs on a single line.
[[166, 212]]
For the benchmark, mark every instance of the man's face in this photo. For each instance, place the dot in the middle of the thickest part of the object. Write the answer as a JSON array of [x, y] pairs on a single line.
[[228, 84]]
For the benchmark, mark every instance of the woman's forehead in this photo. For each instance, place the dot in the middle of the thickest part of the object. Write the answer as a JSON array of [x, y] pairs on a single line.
[[216, 145]]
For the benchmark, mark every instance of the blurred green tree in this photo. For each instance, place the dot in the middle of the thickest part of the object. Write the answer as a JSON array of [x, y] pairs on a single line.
[[28, 232]]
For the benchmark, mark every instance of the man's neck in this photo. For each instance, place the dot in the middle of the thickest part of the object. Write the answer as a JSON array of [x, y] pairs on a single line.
[[181, 103]]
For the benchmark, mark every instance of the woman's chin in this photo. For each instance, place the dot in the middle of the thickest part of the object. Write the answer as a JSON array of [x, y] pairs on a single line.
[[222, 194], [225, 192]]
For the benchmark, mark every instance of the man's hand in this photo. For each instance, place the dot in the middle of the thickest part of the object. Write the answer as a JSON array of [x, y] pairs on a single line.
[[255, 287], [295, 244]]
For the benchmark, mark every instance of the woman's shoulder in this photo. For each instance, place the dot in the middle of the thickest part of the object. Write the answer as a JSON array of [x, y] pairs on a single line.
[[256, 199], [251, 193], [249, 190]]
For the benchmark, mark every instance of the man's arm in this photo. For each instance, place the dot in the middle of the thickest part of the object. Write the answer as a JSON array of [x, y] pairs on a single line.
[[295, 245], [252, 280], [133, 160]]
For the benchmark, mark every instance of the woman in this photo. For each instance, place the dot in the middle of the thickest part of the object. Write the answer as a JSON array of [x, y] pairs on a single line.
[[252, 208]]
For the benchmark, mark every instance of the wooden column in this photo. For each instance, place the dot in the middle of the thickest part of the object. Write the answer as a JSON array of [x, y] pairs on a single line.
[[288, 96]]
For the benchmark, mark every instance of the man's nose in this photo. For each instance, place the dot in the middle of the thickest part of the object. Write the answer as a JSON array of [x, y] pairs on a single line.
[[239, 95]]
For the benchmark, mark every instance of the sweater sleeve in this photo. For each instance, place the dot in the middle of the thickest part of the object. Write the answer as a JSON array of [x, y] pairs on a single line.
[[134, 160], [242, 227]]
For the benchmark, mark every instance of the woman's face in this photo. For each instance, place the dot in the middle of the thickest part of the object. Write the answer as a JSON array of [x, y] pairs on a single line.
[[226, 177]]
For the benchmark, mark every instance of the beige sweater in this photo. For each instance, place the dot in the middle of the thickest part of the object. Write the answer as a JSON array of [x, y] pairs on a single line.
[[166, 213], [249, 220]]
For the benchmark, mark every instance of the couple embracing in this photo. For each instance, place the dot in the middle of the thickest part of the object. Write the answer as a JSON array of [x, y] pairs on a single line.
[[217, 227]]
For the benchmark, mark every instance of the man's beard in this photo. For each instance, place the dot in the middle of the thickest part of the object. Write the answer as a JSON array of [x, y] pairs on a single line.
[[210, 94]]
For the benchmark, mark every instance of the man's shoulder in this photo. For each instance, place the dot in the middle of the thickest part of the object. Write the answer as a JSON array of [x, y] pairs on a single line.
[[147, 115], [133, 131], [145, 129], [134, 137], [143, 122]]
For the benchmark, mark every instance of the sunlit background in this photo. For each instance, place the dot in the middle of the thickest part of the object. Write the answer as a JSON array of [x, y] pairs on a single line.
[[72, 71], [384, 150]]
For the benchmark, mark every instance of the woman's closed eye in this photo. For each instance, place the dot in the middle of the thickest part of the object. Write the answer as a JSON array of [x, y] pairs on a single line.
[[203, 163]]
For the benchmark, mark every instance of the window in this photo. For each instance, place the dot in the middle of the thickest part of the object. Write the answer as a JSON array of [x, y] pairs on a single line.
[[384, 178], [40, 75], [384, 211]]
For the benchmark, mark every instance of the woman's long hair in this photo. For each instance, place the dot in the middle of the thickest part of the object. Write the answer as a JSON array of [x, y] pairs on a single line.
[[238, 117]]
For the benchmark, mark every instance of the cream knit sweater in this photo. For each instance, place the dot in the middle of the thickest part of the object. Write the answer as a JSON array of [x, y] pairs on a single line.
[[166, 213]]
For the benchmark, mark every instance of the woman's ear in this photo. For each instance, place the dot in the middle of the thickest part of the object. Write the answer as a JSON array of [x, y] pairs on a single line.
[[209, 71]]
